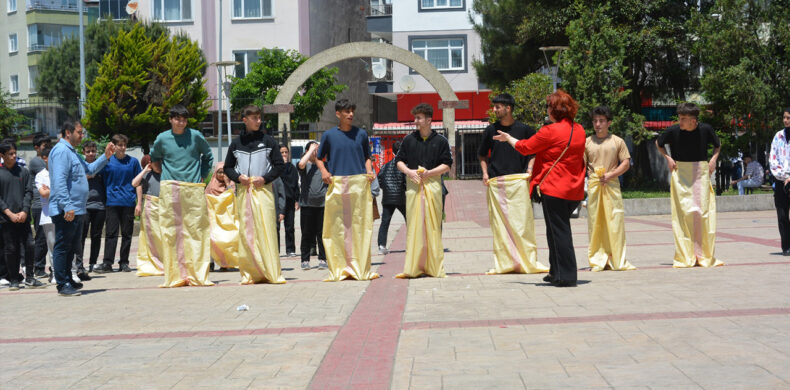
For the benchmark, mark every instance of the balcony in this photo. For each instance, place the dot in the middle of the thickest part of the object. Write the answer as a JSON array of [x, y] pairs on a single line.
[[380, 10], [37, 48], [52, 5]]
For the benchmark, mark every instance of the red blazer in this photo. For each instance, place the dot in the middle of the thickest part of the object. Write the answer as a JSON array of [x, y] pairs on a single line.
[[566, 179]]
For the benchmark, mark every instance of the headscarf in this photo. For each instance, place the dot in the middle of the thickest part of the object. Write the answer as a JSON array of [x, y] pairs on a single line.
[[215, 186]]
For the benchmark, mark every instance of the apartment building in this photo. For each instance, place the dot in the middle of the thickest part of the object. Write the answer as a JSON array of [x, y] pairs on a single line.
[[243, 27], [27, 29], [441, 31]]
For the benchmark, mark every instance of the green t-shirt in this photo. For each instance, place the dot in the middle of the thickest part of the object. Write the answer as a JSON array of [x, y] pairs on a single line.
[[185, 157]]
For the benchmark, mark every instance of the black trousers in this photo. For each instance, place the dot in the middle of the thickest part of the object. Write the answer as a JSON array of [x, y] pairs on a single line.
[[388, 210], [94, 224], [118, 216], [782, 203], [290, 242], [562, 259], [17, 241], [40, 247], [312, 221]]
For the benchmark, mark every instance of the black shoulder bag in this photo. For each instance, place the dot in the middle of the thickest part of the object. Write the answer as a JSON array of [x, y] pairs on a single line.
[[536, 196]]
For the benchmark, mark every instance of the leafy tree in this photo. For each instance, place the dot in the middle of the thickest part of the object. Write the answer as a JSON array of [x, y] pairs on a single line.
[[530, 94], [262, 84], [11, 121], [594, 70], [512, 31], [139, 80], [59, 66], [743, 47]]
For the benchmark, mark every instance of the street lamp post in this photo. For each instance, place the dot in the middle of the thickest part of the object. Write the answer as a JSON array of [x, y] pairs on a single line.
[[222, 74], [553, 72], [81, 6]]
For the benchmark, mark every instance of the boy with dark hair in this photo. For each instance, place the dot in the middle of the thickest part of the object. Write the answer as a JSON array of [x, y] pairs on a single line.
[[94, 213], [424, 156], [393, 187], [186, 160], [607, 158], [254, 162], [344, 160], [510, 172], [16, 194], [311, 201], [124, 202], [290, 179], [40, 140], [693, 199]]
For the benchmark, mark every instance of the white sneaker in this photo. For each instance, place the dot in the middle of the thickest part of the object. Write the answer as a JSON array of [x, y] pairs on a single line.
[[383, 250], [4, 282], [75, 277]]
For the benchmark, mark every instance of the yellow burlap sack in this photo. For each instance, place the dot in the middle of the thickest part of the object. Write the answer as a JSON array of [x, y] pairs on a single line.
[[259, 259], [183, 221], [606, 225], [224, 229], [693, 215], [424, 250], [149, 248], [513, 225], [348, 227]]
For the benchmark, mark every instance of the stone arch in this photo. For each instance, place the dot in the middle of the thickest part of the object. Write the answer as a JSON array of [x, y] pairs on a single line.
[[449, 101]]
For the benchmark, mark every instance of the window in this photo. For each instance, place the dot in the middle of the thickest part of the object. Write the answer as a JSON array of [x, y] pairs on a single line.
[[42, 36], [245, 60], [172, 10], [11, 6], [32, 75], [116, 9], [446, 54], [252, 9], [449, 5], [13, 85], [13, 43]]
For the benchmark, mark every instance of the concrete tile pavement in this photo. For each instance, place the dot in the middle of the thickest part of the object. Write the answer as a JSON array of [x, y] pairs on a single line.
[[655, 327]]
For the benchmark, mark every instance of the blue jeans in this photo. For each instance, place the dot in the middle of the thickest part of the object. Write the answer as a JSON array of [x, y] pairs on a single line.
[[68, 239]]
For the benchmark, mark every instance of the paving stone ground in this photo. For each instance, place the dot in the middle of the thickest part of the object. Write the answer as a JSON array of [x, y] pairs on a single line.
[[652, 328]]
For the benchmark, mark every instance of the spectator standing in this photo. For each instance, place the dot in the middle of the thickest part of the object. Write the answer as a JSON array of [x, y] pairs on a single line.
[[37, 163], [290, 179], [393, 187], [311, 199], [779, 162], [124, 202], [94, 212], [16, 195], [67, 201]]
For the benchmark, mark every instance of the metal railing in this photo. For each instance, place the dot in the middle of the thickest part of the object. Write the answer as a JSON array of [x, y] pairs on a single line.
[[56, 5], [36, 47], [380, 10], [467, 141]]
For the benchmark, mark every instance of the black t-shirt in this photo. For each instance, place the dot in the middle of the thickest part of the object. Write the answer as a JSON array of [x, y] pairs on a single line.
[[689, 145], [504, 159]]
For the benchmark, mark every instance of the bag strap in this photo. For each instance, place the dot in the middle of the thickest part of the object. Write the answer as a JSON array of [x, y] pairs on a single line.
[[558, 158]]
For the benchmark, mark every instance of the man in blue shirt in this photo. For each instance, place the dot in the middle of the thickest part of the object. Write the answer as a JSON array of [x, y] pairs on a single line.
[[343, 157], [122, 205], [345, 148], [67, 200]]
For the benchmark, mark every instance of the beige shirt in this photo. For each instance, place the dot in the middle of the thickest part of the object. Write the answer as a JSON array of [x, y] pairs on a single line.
[[605, 153]]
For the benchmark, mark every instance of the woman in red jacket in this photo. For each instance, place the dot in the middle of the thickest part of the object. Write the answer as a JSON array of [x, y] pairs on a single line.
[[559, 171]]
